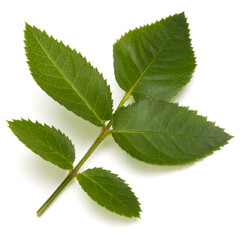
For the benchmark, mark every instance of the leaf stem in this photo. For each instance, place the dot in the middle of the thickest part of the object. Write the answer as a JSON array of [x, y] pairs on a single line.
[[104, 133], [124, 99], [55, 194], [73, 173]]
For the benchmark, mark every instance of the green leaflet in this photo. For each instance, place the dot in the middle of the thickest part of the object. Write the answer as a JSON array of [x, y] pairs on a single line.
[[48, 143], [163, 133], [109, 191], [156, 60], [67, 77]]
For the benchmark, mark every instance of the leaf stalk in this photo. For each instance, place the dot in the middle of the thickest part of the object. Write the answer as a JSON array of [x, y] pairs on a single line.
[[73, 173], [105, 131]]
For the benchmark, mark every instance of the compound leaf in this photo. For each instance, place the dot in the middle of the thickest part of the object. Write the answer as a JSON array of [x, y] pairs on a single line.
[[109, 191], [47, 142], [67, 77], [156, 60], [159, 132]]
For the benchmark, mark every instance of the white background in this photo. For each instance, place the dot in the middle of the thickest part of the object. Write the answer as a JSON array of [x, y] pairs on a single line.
[[197, 202]]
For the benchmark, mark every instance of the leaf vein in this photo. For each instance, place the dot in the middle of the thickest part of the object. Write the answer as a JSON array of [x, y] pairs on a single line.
[[67, 80]]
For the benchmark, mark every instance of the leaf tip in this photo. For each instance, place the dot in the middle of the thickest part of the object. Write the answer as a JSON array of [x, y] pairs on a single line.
[[182, 14], [229, 137], [9, 123], [28, 27], [139, 210]]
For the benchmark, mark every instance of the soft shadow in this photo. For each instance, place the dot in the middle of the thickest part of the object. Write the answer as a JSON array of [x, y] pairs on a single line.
[[34, 168], [183, 92], [76, 127], [80, 131]]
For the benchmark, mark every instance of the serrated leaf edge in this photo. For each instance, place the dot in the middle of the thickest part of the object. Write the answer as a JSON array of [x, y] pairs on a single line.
[[148, 25], [124, 181], [45, 125], [194, 160], [78, 53]]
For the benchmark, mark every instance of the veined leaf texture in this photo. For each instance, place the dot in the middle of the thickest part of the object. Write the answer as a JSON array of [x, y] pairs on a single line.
[[110, 191], [48, 142], [156, 60], [67, 77], [162, 133]]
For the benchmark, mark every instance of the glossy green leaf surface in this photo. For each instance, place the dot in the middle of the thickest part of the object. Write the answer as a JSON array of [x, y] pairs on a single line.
[[159, 132], [67, 77], [109, 191], [156, 60], [47, 142]]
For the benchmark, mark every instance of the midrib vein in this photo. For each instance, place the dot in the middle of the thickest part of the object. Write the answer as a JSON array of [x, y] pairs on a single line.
[[66, 79], [46, 145], [159, 134], [148, 66], [105, 190]]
